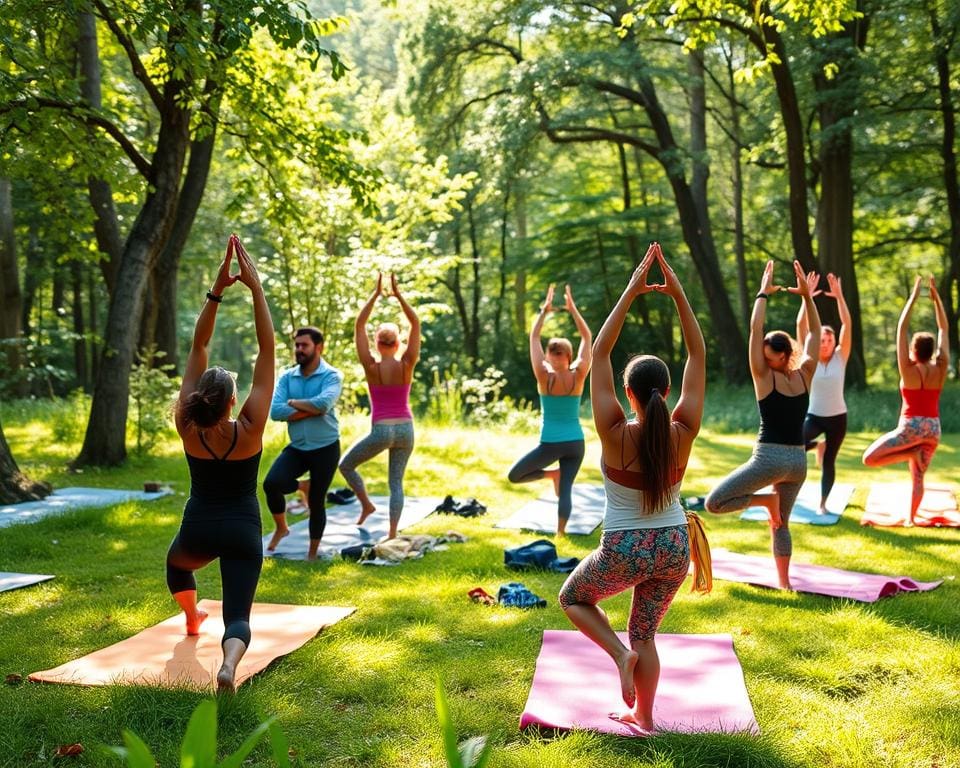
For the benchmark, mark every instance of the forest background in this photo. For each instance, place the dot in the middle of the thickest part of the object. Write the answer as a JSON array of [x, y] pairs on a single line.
[[481, 151]]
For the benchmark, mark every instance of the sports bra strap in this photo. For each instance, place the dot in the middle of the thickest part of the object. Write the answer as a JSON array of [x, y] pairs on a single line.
[[233, 445]]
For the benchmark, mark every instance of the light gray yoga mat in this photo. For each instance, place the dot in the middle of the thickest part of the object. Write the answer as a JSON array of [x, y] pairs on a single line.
[[10, 581], [807, 505], [541, 514], [64, 499], [342, 530]]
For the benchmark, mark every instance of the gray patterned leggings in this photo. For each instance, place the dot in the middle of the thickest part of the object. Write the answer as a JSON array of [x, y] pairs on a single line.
[[398, 439], [782, 466]]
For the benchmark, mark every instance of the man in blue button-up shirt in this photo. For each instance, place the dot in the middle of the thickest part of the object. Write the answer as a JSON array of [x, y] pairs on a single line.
[[304, 398]]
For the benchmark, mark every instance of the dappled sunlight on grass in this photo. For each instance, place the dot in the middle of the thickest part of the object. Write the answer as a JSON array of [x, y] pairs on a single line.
[[833, 683]]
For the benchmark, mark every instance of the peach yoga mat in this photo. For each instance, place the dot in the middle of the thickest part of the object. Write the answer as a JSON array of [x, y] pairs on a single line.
[[164, 655], [888, 504]]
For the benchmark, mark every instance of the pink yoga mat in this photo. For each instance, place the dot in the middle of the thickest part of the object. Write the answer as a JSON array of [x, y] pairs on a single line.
[[576, 685], [888, 504], [816, 579]]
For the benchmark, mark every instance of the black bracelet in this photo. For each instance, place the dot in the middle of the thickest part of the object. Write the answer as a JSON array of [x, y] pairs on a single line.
[[213, 297], [761, 295]]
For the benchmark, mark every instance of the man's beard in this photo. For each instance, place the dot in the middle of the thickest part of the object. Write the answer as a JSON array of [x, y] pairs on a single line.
[[303, 358]]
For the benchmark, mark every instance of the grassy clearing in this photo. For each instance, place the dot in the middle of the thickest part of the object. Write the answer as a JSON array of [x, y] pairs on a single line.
[[833, 683]]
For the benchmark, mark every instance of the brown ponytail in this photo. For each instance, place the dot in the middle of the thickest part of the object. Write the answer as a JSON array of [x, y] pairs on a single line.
[[210, 401], [649, 379]]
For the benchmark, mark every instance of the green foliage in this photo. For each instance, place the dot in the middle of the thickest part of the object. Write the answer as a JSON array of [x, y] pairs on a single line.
[[455, 397], [474, 752], [152, 389], [69, 416], [199, 746]]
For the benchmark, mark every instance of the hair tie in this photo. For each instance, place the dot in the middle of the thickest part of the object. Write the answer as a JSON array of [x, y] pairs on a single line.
[[654, 390]]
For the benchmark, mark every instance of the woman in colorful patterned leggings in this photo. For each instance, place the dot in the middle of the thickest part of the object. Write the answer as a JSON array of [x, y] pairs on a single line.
[[923, 370], [646, 543]]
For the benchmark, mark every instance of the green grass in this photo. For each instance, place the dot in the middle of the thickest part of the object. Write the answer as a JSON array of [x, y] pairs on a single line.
[[833, 683]]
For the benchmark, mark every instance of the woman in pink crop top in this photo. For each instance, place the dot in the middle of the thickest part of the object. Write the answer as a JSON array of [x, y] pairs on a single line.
[[643, 547], [388, 379], [923, 368]]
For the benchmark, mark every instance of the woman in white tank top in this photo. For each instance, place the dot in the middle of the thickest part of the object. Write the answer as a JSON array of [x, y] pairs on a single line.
[[827, 413]]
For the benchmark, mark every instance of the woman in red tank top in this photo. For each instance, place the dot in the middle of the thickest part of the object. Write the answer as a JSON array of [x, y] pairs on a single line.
[[923, 365]]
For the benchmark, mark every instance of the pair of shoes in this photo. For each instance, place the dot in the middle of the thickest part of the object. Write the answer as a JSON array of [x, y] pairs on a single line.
[[341, 496], [449, 504], [471, 508], [480, 595]]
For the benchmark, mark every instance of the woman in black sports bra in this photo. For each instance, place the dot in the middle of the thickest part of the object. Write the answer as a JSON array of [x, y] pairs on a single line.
[[781, 379], [221, 518]]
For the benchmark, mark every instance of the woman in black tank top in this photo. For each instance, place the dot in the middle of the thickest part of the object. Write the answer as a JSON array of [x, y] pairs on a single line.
[[781, 379], [221, 518]]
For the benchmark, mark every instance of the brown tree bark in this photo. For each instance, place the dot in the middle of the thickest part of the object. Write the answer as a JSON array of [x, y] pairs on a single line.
[[11, 328], [14, 485], [944, 41], [837, 98], [106, 226], [105, 439]]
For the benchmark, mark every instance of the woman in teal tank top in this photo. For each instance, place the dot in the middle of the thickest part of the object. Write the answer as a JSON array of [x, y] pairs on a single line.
[[560, 382]]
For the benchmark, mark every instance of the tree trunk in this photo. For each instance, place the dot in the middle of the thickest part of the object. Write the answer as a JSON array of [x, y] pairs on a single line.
[[520, 278], [943, 45], [837, 98], [79, 344], [165, 273], [474, 346], [105, 224], [105, 439], [11, 328], [698, 235], [736, 182], [796, 151], [14, 485], [32, 281], [498, 336]]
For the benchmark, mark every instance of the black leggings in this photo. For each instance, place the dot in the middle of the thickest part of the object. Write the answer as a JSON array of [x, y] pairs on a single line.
[[238, 544], [834, 428], [531, 466], [283, 477]]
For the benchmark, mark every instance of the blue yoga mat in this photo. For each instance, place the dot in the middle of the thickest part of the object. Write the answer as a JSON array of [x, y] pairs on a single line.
[[10, 581], [541, 514], [64, 499], [807, 504], [342, 529]]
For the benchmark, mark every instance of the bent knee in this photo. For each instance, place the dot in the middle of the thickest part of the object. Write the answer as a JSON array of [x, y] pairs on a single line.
[[713, 504]]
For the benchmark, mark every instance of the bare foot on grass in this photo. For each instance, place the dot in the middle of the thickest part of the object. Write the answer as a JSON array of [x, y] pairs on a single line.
[[194, 622]]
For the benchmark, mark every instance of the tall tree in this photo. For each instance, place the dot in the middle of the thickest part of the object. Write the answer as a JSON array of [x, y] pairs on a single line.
[[178, 54]]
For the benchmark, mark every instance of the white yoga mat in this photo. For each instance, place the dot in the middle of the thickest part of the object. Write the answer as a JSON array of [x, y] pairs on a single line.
[[807, 505], [541, 514], [64, 499], [342, 529], [10, 581]]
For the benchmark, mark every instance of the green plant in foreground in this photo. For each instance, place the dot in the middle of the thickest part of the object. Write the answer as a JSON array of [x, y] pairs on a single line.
[[473, 753], [199, 746]]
